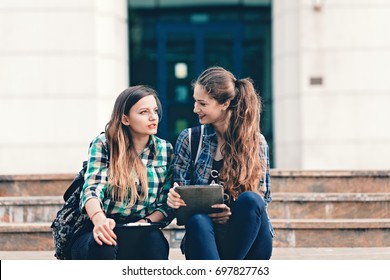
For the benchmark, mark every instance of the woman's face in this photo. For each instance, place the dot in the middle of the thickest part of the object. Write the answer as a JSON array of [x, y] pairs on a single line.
[[142, 118], [208, 109]]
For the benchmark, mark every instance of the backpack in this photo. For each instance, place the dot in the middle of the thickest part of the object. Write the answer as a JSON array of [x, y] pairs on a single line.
[[70, 222]]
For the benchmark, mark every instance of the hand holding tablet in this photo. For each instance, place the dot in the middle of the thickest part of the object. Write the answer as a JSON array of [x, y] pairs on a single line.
[[199, 199]]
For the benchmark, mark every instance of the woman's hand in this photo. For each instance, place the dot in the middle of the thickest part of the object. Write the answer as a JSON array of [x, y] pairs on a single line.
[[103, 230], [223, 216], [174, 200]]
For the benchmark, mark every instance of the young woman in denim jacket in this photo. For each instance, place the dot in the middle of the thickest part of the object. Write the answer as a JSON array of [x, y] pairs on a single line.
[[234, 154], [127, 180]]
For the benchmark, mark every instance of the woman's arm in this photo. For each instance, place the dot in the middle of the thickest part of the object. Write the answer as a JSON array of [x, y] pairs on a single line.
[[94, 190], [181, 169], [163, 211], [182, 161], [103, 226], [265, 184], [96, 177]]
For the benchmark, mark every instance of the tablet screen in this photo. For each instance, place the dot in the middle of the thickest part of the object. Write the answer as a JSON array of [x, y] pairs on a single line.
[[199, 199]]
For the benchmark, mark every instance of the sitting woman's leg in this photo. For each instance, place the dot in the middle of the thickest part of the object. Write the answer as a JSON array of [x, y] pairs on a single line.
[[200, 241], [153, 245], [141, 243], [86, 248], [248, 235]]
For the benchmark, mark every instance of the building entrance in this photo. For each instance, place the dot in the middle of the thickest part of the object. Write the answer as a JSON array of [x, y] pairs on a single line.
[[183, 52], [169, 47]]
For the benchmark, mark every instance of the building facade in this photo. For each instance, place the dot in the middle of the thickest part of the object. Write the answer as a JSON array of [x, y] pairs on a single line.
[[319, 66]]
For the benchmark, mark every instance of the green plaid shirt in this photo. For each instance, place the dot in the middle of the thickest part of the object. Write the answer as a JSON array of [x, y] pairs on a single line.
[[158, 159]]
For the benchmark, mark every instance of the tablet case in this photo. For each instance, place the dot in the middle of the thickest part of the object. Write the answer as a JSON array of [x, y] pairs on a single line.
[[198, 199]]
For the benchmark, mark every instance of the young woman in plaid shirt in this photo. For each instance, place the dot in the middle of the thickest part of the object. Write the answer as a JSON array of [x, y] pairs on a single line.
[[234, 154], [127, 180]]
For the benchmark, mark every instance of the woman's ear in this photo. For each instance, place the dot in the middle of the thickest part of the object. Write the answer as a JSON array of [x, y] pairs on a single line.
[[226, 105], [125, 120]]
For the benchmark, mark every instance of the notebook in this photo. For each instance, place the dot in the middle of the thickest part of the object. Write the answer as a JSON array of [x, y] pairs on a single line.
[[143, 225], [199, 199]]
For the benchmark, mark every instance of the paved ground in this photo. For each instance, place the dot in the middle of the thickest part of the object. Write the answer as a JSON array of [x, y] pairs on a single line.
[[380, 253]]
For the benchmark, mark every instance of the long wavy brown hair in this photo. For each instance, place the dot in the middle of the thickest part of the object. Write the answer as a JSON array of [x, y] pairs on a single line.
[[242, 167], [126, 167]]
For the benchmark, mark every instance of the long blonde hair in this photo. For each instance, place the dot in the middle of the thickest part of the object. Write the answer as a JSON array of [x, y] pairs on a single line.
[[125, 165], [242, 167]]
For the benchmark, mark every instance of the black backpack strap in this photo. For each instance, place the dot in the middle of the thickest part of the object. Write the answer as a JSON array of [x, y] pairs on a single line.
[[194, 140], [77, 182], [195, 136]]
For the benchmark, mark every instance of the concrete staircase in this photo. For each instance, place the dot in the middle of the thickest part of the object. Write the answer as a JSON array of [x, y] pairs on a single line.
[[331, 208], [309, 209]]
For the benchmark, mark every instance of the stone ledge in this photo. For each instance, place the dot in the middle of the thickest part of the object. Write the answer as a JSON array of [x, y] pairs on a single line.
[[355, 181], [277, 196], [31, 200], [274, 172], [331, 223], [37, 177], [329, 173], [324, 197], [277, 224], [289, 233]]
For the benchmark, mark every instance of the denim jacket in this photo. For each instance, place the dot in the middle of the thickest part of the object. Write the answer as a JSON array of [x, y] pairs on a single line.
[[203, 166]]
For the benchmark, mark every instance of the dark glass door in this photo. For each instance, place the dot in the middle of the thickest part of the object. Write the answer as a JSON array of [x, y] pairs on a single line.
[[183, 52]]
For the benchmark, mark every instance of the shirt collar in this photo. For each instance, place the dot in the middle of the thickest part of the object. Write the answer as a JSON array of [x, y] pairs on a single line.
[[209, 130], [150, 146]]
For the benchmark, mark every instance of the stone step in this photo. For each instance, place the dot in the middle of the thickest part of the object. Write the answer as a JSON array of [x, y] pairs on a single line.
[[309, 233], [332, 233], [38, 236], [35, 184], [364, 181], [278, 253], [284, 206], [329, 205], [359, 181], [34, 209]]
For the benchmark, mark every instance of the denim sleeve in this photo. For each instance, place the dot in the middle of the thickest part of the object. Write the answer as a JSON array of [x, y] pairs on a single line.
[[266, 179]]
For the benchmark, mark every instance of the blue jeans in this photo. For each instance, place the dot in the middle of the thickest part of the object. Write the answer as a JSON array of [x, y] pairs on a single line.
[[246, 236], [132, 244]]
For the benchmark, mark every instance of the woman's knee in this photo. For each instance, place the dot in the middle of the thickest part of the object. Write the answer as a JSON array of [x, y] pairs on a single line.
[[154, 245], [251, 200], [86, 248], [155, 237], [199, 222]]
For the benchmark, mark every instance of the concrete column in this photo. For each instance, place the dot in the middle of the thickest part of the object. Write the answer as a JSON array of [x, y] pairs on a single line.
[[331, 85], [62, 64]]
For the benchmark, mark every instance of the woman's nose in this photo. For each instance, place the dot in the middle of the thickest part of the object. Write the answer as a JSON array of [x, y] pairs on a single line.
[[195, 108], [153, 116]]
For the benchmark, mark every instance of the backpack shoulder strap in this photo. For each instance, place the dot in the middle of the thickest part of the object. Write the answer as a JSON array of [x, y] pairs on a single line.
[[195, 139], [77, 182]]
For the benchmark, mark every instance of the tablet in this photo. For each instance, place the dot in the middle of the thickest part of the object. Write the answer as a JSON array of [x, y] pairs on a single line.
[[199, 199]]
